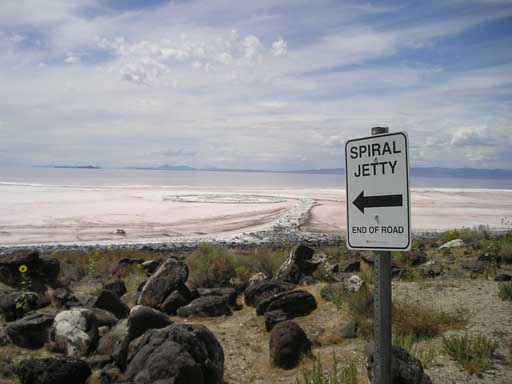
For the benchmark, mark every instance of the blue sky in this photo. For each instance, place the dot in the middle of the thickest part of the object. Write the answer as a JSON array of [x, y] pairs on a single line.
[[265, 84]]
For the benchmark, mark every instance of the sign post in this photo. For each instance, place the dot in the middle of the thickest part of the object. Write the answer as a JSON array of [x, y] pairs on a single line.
[[378, 219]]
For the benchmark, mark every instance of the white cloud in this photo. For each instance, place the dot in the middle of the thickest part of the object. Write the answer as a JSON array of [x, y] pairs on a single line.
[[72, 59], [279, 47], [212, 78], [471, 136], [251, 46]]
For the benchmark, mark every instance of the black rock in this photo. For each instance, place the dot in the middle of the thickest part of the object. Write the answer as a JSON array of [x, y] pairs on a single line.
[[150, 265], [104, 318], [141, 285], [169, 276], [111, 342], [206, 306], [53, 371], [297, 303], [178, 298], [179, 353], [300, 262], [117, 286], [32, 331], [503, 277], [406, 369], [348, 331], [263, 289], [111, 302], [14, 305], [230, 294], [64, 298], [474, 265], [351, 266], [285, 306], [40, 270], [99, 361], [130, 261], [143, 318], [288, 343]]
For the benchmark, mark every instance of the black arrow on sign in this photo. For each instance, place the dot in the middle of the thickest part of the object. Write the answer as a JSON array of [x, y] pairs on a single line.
[[362, 201]]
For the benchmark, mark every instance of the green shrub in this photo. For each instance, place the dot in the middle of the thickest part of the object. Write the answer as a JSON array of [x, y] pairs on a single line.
[[338, 299], [474, 352], [337, 253], [337, 374], [505, 251], [505, 291], [211, 266], [408, 342], [266, 260]]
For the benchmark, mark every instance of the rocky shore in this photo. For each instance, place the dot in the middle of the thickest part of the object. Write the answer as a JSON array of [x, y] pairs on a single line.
[[218, 315]]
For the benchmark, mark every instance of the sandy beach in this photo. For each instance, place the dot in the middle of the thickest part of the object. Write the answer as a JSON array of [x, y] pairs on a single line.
[[40, 214]]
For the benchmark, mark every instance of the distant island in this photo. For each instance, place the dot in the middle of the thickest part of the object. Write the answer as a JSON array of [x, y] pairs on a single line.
[[68, 166]]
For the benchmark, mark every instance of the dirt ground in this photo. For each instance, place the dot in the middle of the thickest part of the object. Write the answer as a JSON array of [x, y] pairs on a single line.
[[245, 340]]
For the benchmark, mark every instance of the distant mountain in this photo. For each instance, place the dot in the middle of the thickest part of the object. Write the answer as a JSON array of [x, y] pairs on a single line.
[[165, 168], [467, 173]]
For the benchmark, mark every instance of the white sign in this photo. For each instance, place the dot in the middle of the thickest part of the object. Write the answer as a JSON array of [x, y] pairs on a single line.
[[377, 192]]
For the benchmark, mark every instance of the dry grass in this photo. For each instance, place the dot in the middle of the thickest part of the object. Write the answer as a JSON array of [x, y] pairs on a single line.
[[424, 321], [505, 291], [336, 374], [474, 352]]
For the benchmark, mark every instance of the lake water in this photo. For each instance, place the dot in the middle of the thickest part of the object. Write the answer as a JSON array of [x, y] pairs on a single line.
[[121, 177]]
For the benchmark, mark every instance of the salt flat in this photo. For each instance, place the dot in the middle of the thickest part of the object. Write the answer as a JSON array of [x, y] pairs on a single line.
[[38, 214]]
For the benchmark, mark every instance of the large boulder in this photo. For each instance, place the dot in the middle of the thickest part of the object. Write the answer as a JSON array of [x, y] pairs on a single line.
[[301, 262], [111, 342], [109, 301], [14, 305], [405, 369], [229, 294], [104, 318], [206, 306], [64, 298], [286, 306], [179, 353], [263, 289], [53, 371], [76, 330], [476, 266], [298, 302], [40, 270], [178, 298], [288, 343], [117, 286], [150, 265], [169, 276], [144, 318], [32, 331]]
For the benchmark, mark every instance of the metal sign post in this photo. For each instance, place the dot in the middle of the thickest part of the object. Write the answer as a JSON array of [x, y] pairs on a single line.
[[378, 219], [382, 308]]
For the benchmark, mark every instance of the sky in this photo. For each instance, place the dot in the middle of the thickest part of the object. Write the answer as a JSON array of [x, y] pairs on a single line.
[[261, 84]]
